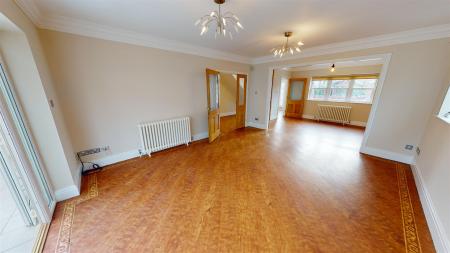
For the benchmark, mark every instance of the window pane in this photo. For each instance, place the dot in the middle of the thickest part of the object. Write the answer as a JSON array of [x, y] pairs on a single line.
[[365, 83], [296, 90], [319, 83], [317, 93], [340, 83], [241, 91], [214, 91], [338, 93], [361, 95]]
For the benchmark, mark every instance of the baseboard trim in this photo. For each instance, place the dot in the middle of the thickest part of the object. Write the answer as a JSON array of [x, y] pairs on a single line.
[[434, 223], [120, 157], [104, 161], [358, 123], [408, 159], [256, 125], [67, 193], [308, 116], [224, 114], [352, 122], [200, 136]]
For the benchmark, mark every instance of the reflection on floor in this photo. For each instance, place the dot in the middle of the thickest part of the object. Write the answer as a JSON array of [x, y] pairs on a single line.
[[299, 187], [14, 235], [227, 124]]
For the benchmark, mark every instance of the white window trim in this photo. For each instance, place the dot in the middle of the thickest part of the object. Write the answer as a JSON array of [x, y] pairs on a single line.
[[348, 96], [445, 108]]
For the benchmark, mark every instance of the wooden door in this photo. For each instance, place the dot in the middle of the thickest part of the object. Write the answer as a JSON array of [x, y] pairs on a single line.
[[213, 93], [241, 97], [295, 97]]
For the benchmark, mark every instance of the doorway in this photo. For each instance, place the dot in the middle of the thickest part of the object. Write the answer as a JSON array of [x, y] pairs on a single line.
[[227, 93], [27, 199], [340, 96]]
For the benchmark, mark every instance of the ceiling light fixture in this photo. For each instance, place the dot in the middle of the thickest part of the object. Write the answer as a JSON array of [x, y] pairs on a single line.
[[333, 68], [222, 22], [286, 48]]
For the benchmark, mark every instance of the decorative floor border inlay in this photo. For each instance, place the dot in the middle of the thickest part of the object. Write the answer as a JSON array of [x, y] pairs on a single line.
[[65, 230], [412, 243]]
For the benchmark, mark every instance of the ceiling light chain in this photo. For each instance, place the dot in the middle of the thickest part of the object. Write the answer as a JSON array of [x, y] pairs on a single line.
[[222, 21], [286, 48]]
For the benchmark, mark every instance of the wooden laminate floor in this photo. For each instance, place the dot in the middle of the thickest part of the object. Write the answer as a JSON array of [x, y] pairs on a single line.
[[299, 187]]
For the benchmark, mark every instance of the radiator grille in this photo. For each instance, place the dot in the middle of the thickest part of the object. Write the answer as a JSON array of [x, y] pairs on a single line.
[[159, 135], [334, 113]]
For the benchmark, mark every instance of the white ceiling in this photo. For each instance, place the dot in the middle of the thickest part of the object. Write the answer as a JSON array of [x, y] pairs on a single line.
[[315, 22]]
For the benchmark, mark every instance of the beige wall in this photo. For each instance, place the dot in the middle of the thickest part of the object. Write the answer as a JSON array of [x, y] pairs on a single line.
[[277, 92], [433, 165], [228, 87], [23, 55], [360, 112], [409, 91], [106, 88]]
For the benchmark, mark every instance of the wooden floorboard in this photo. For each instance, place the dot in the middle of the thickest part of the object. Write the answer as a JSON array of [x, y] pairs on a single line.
[[299, 187]]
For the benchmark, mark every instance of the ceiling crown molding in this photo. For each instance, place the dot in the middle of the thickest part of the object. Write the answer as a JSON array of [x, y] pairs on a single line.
[[31, 10], [90, 29], [85, 28], [422, 34]]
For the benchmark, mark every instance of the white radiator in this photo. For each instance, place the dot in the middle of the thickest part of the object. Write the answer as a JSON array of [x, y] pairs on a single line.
[[334, 113], [159, 135]]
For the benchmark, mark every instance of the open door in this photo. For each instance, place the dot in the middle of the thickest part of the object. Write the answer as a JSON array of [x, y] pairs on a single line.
[[213, 94], [295, 97], [241, 100]]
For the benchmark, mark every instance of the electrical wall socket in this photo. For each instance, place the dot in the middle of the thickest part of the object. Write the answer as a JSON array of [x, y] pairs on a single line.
[[409, 147], [93, 151]]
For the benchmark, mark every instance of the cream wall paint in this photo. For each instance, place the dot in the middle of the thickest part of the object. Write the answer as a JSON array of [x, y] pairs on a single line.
[[360, 112], [106, 88], [433, 165], [34, 90], [228, 87], [409, 92], [276, 91]]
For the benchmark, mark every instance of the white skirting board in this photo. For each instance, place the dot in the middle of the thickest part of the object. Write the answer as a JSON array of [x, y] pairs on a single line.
[[199, 136], [408, 159], [256, 125], [434, 222], [67, 193], [352, 122]]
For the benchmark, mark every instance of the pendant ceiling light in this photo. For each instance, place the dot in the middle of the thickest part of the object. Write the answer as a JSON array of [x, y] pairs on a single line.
[[286, 48], [333, 68], [223, 22]]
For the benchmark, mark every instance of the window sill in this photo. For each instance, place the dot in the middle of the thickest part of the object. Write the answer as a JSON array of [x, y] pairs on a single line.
[[334, 101], [446, 120]]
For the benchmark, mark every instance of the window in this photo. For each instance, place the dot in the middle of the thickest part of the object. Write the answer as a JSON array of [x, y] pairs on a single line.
[[352, 89], [362, 90], [444, 112], [338, 90], [318, 89]]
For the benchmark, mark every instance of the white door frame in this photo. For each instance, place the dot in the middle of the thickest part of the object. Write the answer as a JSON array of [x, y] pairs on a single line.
[[386, 58], [44, 210]]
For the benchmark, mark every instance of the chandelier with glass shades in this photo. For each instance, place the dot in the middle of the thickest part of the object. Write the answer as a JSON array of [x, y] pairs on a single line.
[[286, 48], [222, 22]]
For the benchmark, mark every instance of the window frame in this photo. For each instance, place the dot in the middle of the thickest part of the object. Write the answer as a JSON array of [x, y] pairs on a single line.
[[347, 99], [444, 111]]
